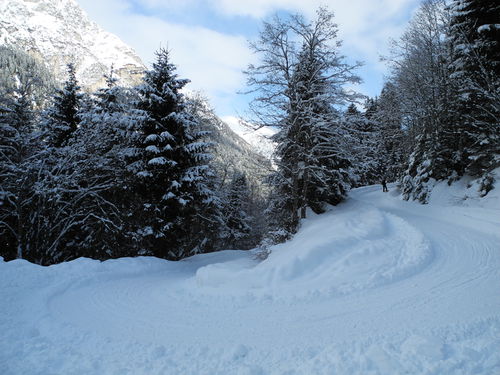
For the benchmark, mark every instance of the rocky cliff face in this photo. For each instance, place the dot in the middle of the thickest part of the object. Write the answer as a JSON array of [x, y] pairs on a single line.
[[59, 32]]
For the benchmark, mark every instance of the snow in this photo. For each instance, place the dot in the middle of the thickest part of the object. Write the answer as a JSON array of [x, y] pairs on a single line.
[[488, 27], [60, 32], [259, 139], [465, 193], [376, 285]]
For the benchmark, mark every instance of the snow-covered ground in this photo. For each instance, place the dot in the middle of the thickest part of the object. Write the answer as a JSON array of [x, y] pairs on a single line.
[[375, 286]]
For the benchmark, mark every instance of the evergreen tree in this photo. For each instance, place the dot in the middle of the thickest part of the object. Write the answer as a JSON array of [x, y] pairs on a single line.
[[475, 39], [298, 89], [171, 166], [363, 145], [421, 75], [103, 144], [392, 141], [61, 119], [16, 126], [324, 170], [24, 82], [239, 222]]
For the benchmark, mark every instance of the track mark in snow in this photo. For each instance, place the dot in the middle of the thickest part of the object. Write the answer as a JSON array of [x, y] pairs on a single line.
[[333, 255]]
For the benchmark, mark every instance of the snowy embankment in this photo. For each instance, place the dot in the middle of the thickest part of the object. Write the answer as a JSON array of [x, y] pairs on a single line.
[[376, 286]]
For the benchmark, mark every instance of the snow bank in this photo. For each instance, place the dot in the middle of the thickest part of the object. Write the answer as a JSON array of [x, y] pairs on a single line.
[[466, 193], [344, 251]]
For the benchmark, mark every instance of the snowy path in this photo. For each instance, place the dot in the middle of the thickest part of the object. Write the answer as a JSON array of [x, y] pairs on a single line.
[[376, 286]]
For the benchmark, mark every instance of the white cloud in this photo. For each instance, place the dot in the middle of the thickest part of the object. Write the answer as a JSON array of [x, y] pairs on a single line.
[[213, 61], [365, 25]]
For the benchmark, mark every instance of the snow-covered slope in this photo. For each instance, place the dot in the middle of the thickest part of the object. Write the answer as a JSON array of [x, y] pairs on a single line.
[[466, 193], [231, 151], [375, 286], [259, 139], [59, 32]]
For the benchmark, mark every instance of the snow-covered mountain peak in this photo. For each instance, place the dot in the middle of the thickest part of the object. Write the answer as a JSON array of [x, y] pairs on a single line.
[[60, 32], [259, 139]]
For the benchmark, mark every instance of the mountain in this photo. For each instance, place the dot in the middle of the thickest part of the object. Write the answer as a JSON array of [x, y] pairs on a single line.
[[59, 32], [259, 139], [232, 152]]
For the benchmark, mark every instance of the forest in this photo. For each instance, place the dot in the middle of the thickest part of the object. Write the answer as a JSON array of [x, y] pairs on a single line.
[[131, 171]]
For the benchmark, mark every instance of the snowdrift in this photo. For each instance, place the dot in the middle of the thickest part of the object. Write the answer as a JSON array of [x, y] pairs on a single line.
[[344, 251]]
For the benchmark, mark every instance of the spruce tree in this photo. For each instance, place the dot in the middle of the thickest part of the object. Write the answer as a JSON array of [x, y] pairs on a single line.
[[475, 39], [324, 170], [421, 75], [24, 83], [103, 145], [392, 141], [16, 126], [171, 166], [61, 119], [363, 144], [238, 220]]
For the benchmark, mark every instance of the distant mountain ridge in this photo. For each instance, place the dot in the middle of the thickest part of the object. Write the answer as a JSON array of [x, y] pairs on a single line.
[[59, 32], [259, 139]]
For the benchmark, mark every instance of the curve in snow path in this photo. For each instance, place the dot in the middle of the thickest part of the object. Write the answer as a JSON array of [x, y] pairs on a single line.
[[377, 286]]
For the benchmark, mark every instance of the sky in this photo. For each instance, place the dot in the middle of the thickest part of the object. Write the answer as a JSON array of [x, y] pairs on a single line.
[[208, 39]]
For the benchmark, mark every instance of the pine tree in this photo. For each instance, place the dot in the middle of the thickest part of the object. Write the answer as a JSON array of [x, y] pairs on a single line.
[[171, 166], [324, 170], [421, 75], [475, 39], [24, 83], [392, 141], [16, 126], [103, 144], [61, 119], [239, 222], [363, 144]]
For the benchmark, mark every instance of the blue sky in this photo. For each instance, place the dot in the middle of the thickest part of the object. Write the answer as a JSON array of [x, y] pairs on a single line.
[[209, 38]]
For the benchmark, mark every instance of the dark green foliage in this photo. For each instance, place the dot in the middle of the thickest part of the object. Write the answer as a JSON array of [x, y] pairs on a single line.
[[171, 165], [239, 223], [62, 118], [475, 38], [123, 172], [24, 82]]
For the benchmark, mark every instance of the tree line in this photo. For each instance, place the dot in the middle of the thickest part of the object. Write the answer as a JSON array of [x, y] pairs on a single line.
[[121, 172], [130, 171]]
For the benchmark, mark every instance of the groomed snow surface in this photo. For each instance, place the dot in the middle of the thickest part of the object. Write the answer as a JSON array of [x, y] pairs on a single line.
[[375, 286]]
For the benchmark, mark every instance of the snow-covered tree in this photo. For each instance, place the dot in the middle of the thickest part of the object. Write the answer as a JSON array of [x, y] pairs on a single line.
[[238, 221], [420, 73], [392, 142], [24, 82], [16, 126], [171, 166], [61, 118], [297, 91], [475, 38], [363, 144], [103, 144]]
